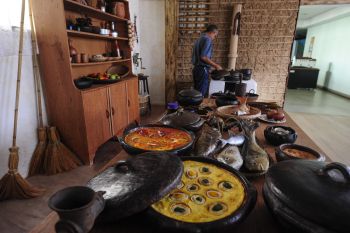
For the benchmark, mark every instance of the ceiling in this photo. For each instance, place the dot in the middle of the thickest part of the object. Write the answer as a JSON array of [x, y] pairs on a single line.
[[310, 11]]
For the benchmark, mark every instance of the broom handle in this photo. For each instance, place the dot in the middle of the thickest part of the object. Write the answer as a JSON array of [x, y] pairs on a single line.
[[36, 72], [19, 74]]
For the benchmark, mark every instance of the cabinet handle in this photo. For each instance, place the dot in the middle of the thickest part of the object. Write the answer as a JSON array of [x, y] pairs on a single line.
[[107, 114], [128, 102], [112, 111]]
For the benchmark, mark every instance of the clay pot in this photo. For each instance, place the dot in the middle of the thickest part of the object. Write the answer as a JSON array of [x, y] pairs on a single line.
[[119, 9], [77, 207]]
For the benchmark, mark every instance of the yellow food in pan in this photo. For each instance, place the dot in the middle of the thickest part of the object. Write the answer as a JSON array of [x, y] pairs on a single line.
[[207, 193], [158, 138]]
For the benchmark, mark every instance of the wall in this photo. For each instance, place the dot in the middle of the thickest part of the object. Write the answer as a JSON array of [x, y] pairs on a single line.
[[27, 120], [152, 46], [267, 32], [332, 48]]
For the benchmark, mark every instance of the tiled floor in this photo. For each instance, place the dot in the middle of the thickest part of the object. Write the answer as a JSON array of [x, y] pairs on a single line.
[[325, 117]]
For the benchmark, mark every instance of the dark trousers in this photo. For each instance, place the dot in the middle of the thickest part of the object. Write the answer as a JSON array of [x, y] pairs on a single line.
[[201, 79]]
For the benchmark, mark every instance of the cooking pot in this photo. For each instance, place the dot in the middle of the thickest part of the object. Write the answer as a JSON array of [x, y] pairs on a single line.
[[234, 76], [219, 74], [281, 155], [227, 99], [309, 196], [189, 97], [133, 150], [277, 135], [234, 218], [132, 185], [247, 73], [183, 119]]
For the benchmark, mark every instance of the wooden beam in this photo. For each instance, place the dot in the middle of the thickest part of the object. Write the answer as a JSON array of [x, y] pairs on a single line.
[[171, 38]]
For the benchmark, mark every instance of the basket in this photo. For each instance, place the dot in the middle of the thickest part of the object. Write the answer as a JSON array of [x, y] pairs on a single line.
[[121, 70]]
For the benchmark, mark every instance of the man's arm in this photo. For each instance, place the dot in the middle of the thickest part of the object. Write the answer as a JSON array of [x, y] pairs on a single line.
[[210, 62]]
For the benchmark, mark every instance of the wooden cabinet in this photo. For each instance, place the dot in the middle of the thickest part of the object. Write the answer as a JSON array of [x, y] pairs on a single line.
[[133, 100], [119, 108], [85, 118]]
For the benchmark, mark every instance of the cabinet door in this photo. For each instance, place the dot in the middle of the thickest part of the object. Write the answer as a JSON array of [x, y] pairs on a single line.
[[97, 122], [133, 99], [118, 102]]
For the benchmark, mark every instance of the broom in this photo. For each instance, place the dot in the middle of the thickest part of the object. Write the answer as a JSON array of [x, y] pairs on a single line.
[[57, 157], [37, 161], [12, 184]]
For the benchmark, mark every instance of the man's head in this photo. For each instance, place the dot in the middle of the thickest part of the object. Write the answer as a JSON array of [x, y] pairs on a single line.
[[212, 31]]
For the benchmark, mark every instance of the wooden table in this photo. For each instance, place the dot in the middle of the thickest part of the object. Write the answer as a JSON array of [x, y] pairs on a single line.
[[15, 217]]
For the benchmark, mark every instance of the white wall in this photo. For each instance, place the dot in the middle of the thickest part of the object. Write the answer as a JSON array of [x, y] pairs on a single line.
[[332, 47], [152, 45], [27, 121]]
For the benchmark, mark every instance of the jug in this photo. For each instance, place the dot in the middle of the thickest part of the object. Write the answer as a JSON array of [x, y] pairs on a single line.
[[77, 207]]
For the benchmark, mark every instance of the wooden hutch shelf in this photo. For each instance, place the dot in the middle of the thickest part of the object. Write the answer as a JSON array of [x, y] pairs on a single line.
[[93, 12], [85, 118], [99, 63], [93, 35]]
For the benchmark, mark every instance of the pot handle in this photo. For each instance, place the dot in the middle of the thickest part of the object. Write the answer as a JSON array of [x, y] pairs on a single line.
[[251, 91], [123, 165], [336, 166]]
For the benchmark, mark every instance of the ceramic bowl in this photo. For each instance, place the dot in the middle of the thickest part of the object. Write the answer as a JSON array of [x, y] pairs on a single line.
[[303, 151], [277, 135]]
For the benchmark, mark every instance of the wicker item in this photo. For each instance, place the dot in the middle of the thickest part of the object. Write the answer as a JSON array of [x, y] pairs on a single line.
[[228, 111], [121, 70]]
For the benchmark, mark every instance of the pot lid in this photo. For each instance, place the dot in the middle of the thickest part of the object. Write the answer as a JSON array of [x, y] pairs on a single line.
[[133, 185], [315, 190], [190, 93], [181, 118]]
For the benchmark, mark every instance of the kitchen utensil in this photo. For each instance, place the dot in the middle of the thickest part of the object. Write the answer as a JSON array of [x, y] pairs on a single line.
[[277, 135], [240, 89], [133, 150], [219, 74], [189, 97], [226, 100], [122, 70], [251, 96], [83, 83], [77, 207], [264, 118], [84, 58], [134, 184], [282, 155], [231, 220], [309, 196], [247, 73], [76, 58], [183, 119], [120, 9], [231, 111]]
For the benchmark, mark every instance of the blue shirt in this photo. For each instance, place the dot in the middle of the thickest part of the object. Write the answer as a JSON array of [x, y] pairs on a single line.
[[202, 48]]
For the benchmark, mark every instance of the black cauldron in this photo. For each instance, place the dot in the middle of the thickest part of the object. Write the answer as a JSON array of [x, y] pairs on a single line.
[[189, 97]]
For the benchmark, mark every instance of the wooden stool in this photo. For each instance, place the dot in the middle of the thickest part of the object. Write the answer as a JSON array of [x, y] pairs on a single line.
[[143, 88]]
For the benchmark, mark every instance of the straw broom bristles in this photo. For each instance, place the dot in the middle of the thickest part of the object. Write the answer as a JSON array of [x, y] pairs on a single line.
[[58, 158], [37, 161], [12, 185]]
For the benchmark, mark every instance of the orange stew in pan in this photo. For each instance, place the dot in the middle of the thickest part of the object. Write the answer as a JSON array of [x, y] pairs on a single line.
[[158, 138]]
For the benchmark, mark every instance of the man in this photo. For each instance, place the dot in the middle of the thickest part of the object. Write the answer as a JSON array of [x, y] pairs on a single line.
[[201, 59]]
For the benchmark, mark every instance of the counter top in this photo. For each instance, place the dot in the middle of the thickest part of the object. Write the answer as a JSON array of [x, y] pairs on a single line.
[[33, 215]]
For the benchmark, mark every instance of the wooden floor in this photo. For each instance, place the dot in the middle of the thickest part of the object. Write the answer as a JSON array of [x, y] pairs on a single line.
[[325, 118]]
